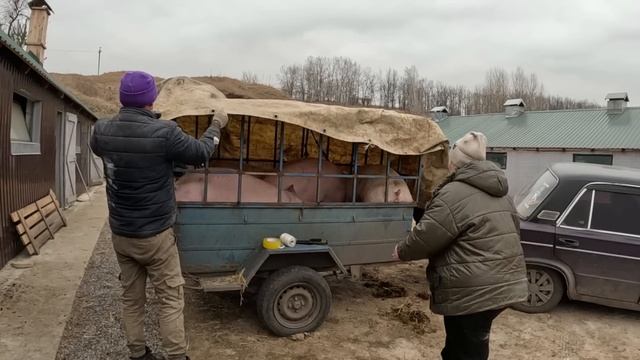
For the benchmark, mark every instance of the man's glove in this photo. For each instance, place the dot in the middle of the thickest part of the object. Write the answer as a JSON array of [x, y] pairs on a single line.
[[220, 116]]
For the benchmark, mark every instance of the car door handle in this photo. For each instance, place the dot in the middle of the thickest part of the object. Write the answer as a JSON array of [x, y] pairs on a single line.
[[569, 242]]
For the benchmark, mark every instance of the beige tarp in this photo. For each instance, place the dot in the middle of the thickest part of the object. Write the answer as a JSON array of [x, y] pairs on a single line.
[[183, 99], [392, 131]]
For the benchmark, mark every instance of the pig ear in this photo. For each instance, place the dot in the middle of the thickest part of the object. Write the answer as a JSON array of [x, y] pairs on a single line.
[[291, 189], [397, 192]]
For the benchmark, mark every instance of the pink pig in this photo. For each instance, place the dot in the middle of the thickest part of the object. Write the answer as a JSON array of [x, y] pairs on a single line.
[[331, 189], [372, 190], [223, 187]]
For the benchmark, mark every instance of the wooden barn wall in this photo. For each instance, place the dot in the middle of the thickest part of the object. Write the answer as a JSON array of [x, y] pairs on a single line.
[[26, 178]]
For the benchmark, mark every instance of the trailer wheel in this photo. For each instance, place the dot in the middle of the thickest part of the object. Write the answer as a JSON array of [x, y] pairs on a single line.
[[293, 300]]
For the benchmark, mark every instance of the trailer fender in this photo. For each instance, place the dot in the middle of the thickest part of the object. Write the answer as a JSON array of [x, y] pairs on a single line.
[[317, 257]]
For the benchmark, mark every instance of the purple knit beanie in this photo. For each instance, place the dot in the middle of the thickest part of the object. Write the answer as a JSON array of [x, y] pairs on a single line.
[[137, 89]]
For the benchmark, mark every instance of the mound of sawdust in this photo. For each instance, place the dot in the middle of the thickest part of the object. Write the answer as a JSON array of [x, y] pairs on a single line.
[[417, 319], [233, 88], [100, 92]]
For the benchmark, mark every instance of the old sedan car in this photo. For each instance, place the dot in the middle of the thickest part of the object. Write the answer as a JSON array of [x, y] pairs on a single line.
[[581, 236]]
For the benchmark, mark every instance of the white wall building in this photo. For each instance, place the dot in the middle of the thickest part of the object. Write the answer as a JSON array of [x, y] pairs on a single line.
[[525, 143]]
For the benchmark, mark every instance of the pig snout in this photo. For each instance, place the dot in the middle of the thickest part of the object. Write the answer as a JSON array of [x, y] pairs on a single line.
[[399, 192], [396, 195]]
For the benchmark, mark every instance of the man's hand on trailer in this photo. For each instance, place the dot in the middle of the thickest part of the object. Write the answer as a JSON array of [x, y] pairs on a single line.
[[220, 116]]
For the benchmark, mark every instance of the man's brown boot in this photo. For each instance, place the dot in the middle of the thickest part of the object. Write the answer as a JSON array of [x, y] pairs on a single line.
[[148, 355]]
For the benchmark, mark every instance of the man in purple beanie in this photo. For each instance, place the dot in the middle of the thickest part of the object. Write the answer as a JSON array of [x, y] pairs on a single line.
[[138, 151]]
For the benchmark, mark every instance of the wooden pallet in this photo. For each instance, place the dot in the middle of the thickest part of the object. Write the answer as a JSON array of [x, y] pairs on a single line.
[[38, 222]]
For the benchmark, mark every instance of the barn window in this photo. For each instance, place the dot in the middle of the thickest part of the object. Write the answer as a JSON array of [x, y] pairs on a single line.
[[601, 159], [25, 125], [499, 159]]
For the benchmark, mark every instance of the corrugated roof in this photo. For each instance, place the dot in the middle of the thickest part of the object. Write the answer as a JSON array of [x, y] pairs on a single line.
[[8, 42], [562, 129]]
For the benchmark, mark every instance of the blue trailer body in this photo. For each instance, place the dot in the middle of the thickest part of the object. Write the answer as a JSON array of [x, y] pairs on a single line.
[[216, 239]]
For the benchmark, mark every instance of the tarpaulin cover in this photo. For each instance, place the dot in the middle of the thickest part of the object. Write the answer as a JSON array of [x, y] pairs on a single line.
[[183, 99], [392, 131]]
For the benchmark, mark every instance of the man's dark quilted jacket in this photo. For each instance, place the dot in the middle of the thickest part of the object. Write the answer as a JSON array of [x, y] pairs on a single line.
[[138, 151]]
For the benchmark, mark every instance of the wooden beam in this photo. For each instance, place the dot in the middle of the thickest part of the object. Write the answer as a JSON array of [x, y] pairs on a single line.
[[55, 201], [28, 234], [44, 220]]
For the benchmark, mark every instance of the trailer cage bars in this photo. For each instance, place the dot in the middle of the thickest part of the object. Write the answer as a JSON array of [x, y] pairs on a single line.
[[321, 140]]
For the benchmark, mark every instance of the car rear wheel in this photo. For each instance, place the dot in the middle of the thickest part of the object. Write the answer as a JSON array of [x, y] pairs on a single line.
[[546, 289]]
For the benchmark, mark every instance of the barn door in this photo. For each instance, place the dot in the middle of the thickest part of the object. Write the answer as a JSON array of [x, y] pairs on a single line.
[[71, 124], [95, 166]]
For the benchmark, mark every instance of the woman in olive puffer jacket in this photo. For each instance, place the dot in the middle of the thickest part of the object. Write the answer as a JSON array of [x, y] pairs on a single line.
[[470, 233]]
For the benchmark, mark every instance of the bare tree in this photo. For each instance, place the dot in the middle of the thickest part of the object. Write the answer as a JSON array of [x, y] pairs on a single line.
[[14, 19], [342, 80], [249, 77], [519, 84], [496, 89], [368, 87], [409, 93], [314, 77], [389, 88], [288, 79]]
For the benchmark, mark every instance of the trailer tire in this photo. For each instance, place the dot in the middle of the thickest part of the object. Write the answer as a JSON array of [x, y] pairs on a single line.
[[293, 300]]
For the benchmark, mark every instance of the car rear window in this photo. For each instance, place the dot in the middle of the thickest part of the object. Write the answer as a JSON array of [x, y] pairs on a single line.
[[536, 194]]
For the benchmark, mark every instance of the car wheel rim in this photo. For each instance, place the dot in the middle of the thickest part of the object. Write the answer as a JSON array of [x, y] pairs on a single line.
[[540, 287], [297, 306]]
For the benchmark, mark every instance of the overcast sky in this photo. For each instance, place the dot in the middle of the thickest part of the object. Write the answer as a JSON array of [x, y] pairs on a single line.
[[581, 49]]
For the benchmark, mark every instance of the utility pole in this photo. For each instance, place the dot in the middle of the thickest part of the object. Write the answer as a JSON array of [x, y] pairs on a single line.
[[99, 55]]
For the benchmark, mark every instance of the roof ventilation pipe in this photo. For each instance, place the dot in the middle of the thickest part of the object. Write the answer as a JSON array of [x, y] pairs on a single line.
[[513, 107], [616, 102]]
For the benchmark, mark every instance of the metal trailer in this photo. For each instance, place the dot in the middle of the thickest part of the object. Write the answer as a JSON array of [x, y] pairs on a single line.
[[221, 243]]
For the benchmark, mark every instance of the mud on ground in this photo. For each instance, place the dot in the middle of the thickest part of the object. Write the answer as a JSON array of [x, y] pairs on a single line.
[[360, 325]]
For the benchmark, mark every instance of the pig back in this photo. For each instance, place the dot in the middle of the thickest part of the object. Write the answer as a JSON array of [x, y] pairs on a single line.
[[331, 189], [223, 187]]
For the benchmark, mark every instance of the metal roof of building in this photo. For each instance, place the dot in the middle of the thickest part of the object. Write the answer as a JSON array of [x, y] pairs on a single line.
[[561, 129], [10, 44]]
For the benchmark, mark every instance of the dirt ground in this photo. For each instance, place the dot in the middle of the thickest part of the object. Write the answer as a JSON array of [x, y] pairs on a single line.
[[37, 297], [360, 326]]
